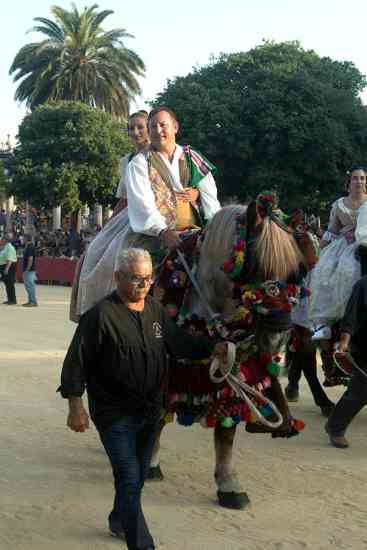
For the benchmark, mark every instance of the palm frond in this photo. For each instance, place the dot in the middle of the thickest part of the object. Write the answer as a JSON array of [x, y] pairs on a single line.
[[78, 60]]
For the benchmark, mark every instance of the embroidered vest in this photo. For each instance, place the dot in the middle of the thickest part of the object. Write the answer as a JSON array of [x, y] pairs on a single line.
[[178, 214]]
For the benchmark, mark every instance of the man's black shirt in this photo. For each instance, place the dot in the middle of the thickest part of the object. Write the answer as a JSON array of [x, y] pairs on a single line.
[[29, 251], [120, 356]]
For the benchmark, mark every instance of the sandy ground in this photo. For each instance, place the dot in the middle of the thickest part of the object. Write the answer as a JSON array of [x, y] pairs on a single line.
[[56, 489]]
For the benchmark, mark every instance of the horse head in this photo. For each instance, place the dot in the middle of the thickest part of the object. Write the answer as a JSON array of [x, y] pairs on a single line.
[[273, 250]]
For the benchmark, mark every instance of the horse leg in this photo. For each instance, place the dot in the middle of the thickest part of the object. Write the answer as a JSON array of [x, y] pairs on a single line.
[[230, 493], [155, 473]]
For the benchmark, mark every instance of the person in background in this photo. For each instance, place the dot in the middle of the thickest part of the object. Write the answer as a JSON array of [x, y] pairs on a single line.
[[353, 340], [330, 280], [8, 268], [29, 271], [2, 220]]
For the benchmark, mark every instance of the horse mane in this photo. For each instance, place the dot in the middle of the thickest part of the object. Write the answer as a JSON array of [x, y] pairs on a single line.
[[276, 253], [216, 249]]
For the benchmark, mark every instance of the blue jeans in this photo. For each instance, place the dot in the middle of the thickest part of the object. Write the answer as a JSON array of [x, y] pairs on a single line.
[[29, 278], [129, 445]]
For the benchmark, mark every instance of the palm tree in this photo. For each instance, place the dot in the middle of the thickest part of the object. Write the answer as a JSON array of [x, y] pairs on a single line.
[[78, 61]]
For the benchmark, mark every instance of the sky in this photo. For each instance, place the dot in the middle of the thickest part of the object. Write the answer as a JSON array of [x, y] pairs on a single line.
[[172, 37]]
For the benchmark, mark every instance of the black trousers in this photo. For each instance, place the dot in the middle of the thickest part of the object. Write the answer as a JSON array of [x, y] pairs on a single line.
[[349, 405], [9, 282], [304, 361]]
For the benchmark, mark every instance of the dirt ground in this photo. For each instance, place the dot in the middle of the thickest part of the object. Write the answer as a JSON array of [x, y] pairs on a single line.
[[56, 488]]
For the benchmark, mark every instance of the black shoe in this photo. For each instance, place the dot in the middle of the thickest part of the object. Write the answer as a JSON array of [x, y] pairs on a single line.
[[337, 441], [117, 532], [10, 303], [291, 393], [155, 474]]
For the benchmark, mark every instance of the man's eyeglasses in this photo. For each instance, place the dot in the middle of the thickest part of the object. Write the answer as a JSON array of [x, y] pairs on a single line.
[[139, 281]]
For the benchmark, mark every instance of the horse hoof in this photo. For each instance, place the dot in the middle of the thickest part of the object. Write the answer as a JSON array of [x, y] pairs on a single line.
[[155, 474], [235, 501]]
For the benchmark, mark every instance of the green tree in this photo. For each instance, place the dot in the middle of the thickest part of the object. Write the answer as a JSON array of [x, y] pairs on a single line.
[[277, 117], [68, 154], [78, 61]]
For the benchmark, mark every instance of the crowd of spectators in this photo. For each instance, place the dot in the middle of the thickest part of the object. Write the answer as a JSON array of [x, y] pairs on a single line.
[[61, 243]]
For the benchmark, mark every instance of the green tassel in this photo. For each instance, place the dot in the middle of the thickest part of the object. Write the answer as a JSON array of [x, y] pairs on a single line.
[[273, 368], [227, 422], [237, 270]]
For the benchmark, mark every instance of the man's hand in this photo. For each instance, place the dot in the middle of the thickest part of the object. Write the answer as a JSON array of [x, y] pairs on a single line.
[[171, 239], [78, 419], [188, 195], [343, 345], [220, 350]]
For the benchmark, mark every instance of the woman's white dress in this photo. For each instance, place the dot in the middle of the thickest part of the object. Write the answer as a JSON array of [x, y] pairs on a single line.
[[338, 269], [96, 275]]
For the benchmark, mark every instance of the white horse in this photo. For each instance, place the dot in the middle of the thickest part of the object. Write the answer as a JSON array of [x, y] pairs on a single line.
[[274, 256]]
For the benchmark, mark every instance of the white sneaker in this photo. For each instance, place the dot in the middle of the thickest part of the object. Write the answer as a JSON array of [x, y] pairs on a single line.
[[322, 333]]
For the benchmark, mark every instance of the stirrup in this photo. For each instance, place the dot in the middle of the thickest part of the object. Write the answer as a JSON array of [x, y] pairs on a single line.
[[322, 333]]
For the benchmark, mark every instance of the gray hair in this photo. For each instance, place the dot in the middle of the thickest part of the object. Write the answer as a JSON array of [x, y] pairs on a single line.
[[129, 256]]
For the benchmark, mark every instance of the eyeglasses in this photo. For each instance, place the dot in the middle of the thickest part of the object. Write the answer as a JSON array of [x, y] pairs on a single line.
[[135, 280]]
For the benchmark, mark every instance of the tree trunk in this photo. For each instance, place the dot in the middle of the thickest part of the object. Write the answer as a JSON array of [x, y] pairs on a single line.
[[98, 213], [56, 218], [29, 228], [76, 221]]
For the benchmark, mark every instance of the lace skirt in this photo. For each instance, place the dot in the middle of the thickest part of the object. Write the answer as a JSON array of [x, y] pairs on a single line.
[[96, 277], [332, 281]]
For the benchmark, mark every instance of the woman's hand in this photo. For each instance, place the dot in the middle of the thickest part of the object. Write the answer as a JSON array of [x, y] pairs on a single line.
[[188, 195], [220, 350]]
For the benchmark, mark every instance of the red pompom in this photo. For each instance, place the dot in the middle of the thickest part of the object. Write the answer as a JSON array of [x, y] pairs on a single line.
[[228, 266], [265, 359], [211, 421], [258, 295]]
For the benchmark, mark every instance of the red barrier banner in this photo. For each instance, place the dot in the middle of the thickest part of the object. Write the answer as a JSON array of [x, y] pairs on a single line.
[[51, 270]]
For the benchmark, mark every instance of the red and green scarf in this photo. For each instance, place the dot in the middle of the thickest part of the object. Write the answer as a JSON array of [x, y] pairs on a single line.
[[199, 166]]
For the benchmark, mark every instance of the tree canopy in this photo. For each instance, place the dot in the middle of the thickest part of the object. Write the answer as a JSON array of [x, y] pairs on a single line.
[[76, 60], [275, 117], [68, 154]]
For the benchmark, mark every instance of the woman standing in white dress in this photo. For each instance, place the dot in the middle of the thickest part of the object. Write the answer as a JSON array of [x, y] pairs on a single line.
[[331, 281]]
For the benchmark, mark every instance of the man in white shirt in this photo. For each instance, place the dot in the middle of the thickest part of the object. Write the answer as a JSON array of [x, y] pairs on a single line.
[[169, 188]]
